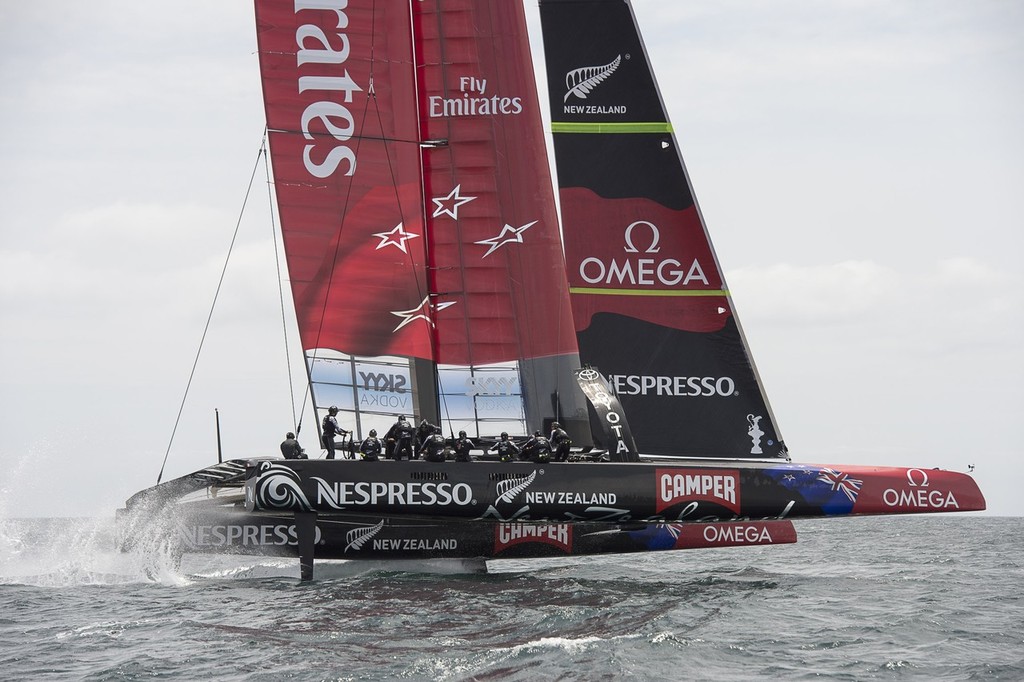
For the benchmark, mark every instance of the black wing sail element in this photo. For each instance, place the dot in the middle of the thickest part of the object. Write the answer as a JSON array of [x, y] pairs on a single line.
[[618, 439], [650, 303]]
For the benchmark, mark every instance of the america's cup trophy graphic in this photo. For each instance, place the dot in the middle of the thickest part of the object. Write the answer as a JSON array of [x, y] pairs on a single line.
[[755, 433]]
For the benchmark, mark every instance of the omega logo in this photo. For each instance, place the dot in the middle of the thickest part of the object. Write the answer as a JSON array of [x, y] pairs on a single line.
[[924, 478], [666, 272], [655, 237]]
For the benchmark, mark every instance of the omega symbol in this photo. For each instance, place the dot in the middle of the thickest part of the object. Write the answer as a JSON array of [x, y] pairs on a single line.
[[924, 478], [655, 237]]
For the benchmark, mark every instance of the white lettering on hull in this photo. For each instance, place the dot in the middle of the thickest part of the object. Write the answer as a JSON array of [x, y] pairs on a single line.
[[569, 497], [919, 499], [245, 535], [342, 494], [922, 496], [414, 544], [737, 534]]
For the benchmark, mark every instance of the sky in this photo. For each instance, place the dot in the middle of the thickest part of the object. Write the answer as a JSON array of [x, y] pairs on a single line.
[[859, 164]]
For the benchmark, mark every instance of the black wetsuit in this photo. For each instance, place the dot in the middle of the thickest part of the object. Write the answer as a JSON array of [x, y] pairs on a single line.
[[291, 449], [433, 448], [462, 447], [507, 450], [370, 449]]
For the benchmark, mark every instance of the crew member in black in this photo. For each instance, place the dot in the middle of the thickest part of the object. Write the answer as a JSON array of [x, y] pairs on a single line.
[[561, 442], [538, 448], [399, 438], [370, 447], [462, 447], [507, 450], [423, 432], [433, 448], [330, 428], [291, 449]]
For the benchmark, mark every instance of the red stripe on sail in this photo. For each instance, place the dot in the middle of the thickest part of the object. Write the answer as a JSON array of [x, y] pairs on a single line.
[[629, 256]]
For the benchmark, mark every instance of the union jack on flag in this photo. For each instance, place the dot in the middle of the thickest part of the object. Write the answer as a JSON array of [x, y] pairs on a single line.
[[840, 481]]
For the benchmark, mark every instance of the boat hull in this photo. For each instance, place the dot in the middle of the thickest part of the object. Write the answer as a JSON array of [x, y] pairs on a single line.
[[491, 510], [659, 491], [375, 537]]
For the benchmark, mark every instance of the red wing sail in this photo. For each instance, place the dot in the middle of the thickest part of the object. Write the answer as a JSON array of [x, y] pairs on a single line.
[[417, 210], [493, 234], [505, 342], [651, 308], [339, 88]]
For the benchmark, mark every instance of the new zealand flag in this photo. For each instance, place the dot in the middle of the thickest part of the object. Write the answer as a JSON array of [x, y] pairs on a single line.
[[832, 491]]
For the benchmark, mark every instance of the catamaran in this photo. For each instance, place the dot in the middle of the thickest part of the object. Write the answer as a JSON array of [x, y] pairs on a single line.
[[433, 278]]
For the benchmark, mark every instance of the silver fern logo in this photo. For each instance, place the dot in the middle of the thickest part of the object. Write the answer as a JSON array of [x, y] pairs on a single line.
[[509, 488], [278, 488], [357, 537], [581, 81]]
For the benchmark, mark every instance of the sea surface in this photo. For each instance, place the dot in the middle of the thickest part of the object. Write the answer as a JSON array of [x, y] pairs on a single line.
[[930, 598]]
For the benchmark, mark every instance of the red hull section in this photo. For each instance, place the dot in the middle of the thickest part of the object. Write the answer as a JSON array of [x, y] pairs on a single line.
[[897, 490]]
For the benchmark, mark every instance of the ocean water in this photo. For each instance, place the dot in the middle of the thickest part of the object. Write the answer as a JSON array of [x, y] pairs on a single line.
[[930, 598]]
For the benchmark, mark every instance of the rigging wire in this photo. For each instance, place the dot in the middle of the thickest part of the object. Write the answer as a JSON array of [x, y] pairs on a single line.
[[209, 317], [296, 420]]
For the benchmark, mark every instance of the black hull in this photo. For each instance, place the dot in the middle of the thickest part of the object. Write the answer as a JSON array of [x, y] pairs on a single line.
[[418, 510], [651, 492], [373, 537]]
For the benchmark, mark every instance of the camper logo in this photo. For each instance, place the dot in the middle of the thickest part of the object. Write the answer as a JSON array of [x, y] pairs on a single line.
[[555, 534], [676, 486], [579, 82]]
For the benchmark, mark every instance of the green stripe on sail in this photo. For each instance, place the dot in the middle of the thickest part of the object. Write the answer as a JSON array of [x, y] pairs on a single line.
[[648, 292], [638, 127]]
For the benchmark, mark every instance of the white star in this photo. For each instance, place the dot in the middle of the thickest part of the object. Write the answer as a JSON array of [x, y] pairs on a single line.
[[508, 234], [455, 199], [421, 312], [396, 237]]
